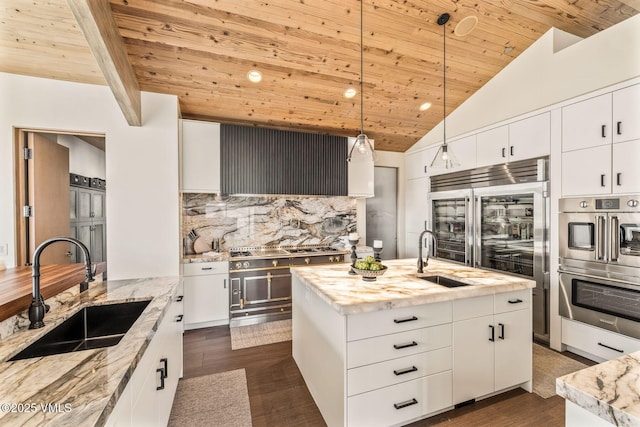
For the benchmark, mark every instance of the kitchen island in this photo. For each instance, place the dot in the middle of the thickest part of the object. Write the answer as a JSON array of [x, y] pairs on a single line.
[[402, 348], [603, 395], [109, 385]]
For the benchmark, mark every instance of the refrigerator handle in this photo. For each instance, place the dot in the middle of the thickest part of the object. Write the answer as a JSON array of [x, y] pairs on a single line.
[[614, 239], [468, 226], [476, 231]]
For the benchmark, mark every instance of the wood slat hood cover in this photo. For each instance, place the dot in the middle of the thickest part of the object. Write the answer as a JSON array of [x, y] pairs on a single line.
[[308, 52]]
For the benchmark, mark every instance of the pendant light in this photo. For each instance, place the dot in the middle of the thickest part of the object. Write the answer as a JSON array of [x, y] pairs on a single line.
[[362, 149], [444, 157]]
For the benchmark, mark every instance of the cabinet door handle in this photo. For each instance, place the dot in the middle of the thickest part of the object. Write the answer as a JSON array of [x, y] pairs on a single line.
[[399, 372], [619, 128], [602, 180], [425, 168], [493, 333], [165, 366], [180, 298], [405, 404], [503, 152], [604, 131], [179, 317], [515, 301], [511, 150], [619, 178], [161, 371], [408, 319], [501, 336], [225, 283], [401, 346], [610, 348]]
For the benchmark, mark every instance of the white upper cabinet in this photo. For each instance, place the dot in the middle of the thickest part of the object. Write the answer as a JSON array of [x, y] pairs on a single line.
[[200, 157], [626, 114], [586, 171], [418, 163], [530, 138], [492, 146], [523, 139], [626, 173], [465, 151], [587, 123]]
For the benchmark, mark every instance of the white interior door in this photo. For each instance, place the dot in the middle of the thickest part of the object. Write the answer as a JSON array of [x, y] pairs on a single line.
[[382, 211]]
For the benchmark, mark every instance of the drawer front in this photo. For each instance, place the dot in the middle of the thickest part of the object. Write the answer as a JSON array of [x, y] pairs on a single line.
[[395, 371], [512, 301], [386, 347], [469, 308], [400, 403], [598, 342], [384, 322], [203, 268]]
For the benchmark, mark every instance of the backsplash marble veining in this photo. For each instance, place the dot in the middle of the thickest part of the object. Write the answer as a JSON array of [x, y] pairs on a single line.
[[240, 221]]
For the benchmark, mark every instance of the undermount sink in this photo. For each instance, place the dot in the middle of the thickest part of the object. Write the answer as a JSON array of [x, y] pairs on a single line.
[[95, 326], [444, 281]]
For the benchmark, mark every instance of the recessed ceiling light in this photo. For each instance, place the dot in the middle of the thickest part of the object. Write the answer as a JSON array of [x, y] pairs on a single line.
[[466, 25], [508, 49], [254, 76], [350, 93], [425, 106]]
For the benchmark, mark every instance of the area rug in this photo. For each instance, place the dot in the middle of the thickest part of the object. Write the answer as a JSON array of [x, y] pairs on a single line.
[[549, 365], [260, 334], [213, 400]]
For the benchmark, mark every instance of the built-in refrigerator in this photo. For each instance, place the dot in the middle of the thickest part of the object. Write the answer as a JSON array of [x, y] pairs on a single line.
[[496, 218]]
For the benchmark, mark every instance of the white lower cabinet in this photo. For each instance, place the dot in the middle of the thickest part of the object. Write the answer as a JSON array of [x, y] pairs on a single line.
[[206, 294], [148, 396], [596, 343], [492, 344]]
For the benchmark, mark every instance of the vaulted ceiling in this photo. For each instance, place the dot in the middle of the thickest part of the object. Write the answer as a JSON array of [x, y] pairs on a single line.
[[308, 52]]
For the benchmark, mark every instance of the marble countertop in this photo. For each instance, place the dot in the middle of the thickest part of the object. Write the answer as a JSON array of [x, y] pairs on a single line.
[[86, 384], [610, 390], [206, 257], [401, 286]]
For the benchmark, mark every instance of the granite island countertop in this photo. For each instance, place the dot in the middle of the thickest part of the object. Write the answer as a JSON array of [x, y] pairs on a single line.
[[86, 384], [610, 390], [401, 286]]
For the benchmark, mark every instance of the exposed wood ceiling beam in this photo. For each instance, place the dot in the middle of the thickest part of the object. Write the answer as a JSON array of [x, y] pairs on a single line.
[[101, 32]]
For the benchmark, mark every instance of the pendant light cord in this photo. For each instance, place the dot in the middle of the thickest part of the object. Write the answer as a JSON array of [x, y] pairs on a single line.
[[361, 70], [444, 82]]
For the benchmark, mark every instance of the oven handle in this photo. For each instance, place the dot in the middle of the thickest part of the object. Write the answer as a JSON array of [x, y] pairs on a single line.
[[593, 276], [600, 237], [614, 250]]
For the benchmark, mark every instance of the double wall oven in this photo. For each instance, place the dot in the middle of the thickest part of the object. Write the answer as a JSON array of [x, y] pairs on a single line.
[[600, 262], [496, 218], [260, 279]]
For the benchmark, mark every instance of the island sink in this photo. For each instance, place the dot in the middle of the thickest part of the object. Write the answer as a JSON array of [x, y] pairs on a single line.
[[95, 326], [443, 281]]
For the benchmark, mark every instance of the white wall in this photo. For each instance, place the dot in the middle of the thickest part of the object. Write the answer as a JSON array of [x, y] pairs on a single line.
[[555, 68], [84, 158], [141, 166]]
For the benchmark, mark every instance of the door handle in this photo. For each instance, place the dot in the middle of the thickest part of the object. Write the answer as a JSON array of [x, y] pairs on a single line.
[[602, 184], [511, 150], [504, 152], [493, 333], [619, 128], [614, 251], [162, 377], [165, 366], [501, 336], [600, 232], [619, 178], [604, 131]]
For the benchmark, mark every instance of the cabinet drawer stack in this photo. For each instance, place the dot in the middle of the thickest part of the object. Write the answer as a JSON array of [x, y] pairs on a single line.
[[398, 364]]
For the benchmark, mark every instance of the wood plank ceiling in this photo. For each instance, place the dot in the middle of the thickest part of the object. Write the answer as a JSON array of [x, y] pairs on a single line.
[[308, 52]]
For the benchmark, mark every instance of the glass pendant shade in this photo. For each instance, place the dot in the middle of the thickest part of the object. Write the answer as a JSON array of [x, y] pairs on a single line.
[[445, 158], [362, 150]]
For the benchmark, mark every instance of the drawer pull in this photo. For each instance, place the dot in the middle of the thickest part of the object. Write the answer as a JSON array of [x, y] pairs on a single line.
[[207, 268], [180, 298], [405, 404], [611, 348], [179, 317], [399, 372], [515, 301], [401, 346], [408, 319]]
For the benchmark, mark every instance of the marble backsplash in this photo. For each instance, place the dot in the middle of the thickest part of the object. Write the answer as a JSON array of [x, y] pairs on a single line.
[[242, 221]]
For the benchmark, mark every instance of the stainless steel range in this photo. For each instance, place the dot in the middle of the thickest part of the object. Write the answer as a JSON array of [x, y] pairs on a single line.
[[261, 279]]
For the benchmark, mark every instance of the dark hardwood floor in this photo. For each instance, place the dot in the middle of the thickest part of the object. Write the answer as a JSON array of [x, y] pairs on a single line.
[[278, 395]]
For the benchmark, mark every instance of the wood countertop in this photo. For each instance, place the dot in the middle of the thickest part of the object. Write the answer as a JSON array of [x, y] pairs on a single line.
[[16, 285]]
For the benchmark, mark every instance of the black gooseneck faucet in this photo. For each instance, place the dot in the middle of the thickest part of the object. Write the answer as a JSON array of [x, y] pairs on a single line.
[[38, 308], [434, 250]]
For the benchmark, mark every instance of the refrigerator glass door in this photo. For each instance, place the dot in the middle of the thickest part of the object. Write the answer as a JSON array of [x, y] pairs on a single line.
[[449, 225], [506, 233]]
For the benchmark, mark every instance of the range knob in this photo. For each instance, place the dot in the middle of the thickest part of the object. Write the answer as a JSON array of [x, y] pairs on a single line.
[[307, 260], [274, 262], [330, 259], [245, 264], [633, 203], [583, 204], [238, 265]]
